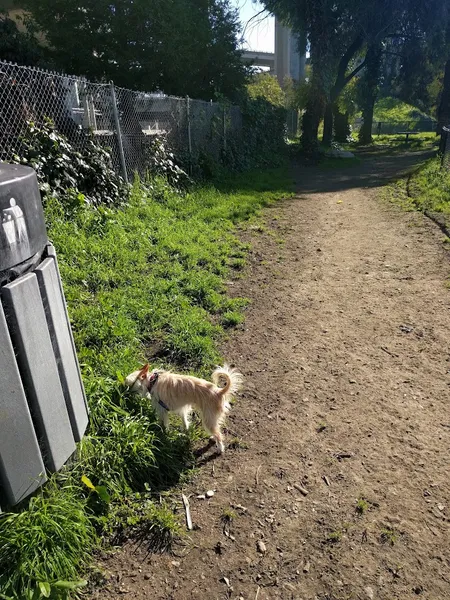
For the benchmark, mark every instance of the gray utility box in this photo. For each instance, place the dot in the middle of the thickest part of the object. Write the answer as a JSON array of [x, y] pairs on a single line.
[[43, 409]]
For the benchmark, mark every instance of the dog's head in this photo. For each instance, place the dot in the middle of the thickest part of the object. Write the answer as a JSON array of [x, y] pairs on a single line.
[[137, 381]]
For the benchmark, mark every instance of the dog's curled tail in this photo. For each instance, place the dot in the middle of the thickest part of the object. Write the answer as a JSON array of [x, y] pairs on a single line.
[[232, 378]]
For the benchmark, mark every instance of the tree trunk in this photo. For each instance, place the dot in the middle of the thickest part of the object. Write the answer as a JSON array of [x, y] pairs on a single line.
[[310, 124], [328, 125], [369, 91], [310, 128], [365, 133], [444, 104], [342, 79], [341, 126]]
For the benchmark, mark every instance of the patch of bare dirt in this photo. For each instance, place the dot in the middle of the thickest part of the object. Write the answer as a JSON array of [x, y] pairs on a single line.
[[340, 488]]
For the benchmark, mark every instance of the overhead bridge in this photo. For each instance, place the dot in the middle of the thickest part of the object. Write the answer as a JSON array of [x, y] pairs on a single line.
[[286, 61], [260, 59]]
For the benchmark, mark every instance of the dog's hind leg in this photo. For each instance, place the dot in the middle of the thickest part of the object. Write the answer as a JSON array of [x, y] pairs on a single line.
[[211, 422], [218, 438], [185, 418]]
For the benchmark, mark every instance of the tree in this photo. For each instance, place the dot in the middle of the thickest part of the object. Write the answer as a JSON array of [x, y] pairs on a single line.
[[17, 46], [340, 33], [264, 85], [181, 47], [368, 91]]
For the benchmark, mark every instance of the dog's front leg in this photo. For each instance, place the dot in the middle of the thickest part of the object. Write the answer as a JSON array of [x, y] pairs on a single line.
[[161, 413]]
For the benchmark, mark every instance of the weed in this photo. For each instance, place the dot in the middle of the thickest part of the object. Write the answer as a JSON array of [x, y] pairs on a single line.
[[232, 318], [158, 528], [228, 515], [388, 536], [362, 506], [238, 444], [321, 427], [334, 537]]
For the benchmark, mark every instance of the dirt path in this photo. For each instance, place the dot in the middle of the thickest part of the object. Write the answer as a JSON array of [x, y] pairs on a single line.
[[346, 356]]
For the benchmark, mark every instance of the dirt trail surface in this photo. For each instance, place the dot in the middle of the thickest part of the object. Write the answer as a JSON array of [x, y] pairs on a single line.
[[345, 351]]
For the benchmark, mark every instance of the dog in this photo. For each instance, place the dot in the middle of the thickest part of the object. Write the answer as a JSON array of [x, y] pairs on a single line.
[[181, 393]]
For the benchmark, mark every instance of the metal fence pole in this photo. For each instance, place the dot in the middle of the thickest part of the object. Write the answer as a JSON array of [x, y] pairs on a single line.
[[188, 115], [118, 131], [224, 128], [443, 146]]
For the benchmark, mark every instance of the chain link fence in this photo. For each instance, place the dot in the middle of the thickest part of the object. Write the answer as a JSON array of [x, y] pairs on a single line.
[[124, 121]]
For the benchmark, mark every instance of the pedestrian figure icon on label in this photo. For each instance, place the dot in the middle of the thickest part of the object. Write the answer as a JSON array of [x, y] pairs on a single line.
[[13, 224]]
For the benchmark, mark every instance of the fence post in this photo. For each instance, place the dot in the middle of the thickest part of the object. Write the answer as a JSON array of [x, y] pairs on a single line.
[[224, 117], [443, 144], [118, 131], [188, 115]]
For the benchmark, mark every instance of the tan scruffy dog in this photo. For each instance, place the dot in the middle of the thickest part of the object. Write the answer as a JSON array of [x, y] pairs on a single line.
[[182, 393]]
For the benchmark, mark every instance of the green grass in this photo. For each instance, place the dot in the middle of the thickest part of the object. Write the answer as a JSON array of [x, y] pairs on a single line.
[[418, 141], [429, 187], [362, 506], [426, 189], [228, 515], [388, 536], [46, 544], [393, 143], [143, 282], [392, 110]]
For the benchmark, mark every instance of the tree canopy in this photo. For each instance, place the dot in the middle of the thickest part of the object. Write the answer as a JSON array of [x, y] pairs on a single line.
[[353, 37], [181, 47]]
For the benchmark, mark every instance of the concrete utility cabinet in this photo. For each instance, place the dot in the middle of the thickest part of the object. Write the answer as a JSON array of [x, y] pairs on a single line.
[[43, 409]]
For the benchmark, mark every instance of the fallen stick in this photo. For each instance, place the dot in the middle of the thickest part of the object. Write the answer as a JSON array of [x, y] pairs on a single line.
[[301, 489], [188, 512], [389, 352]]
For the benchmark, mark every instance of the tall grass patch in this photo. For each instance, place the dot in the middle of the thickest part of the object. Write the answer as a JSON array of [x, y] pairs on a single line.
[[144, 281], [427, 189]]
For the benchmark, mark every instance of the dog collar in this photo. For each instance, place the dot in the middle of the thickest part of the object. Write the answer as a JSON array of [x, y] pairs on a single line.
[[151, 383]]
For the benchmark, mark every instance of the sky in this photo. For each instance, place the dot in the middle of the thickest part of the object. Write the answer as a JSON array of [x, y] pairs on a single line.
[[259, 33]]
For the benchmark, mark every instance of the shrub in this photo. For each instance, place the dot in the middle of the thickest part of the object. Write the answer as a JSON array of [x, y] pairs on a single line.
[[62, 171], [161, 161]]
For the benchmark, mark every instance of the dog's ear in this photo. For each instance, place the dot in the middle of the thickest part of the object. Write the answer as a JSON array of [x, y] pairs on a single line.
[[144, 372]]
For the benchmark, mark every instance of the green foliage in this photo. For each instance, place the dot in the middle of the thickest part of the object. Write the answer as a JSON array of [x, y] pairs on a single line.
[[339, 35], [429, 188], [18, 46], [160, 161], [44, 546], [362, 506], [75, 177], [143, 281], [262, 142], [266, 86], [348, 100], [392, 110], [389, 536], [394, 142], [183, 47]]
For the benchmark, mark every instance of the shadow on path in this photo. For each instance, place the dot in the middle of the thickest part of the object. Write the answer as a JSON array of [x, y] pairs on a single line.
[[374, 170]]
